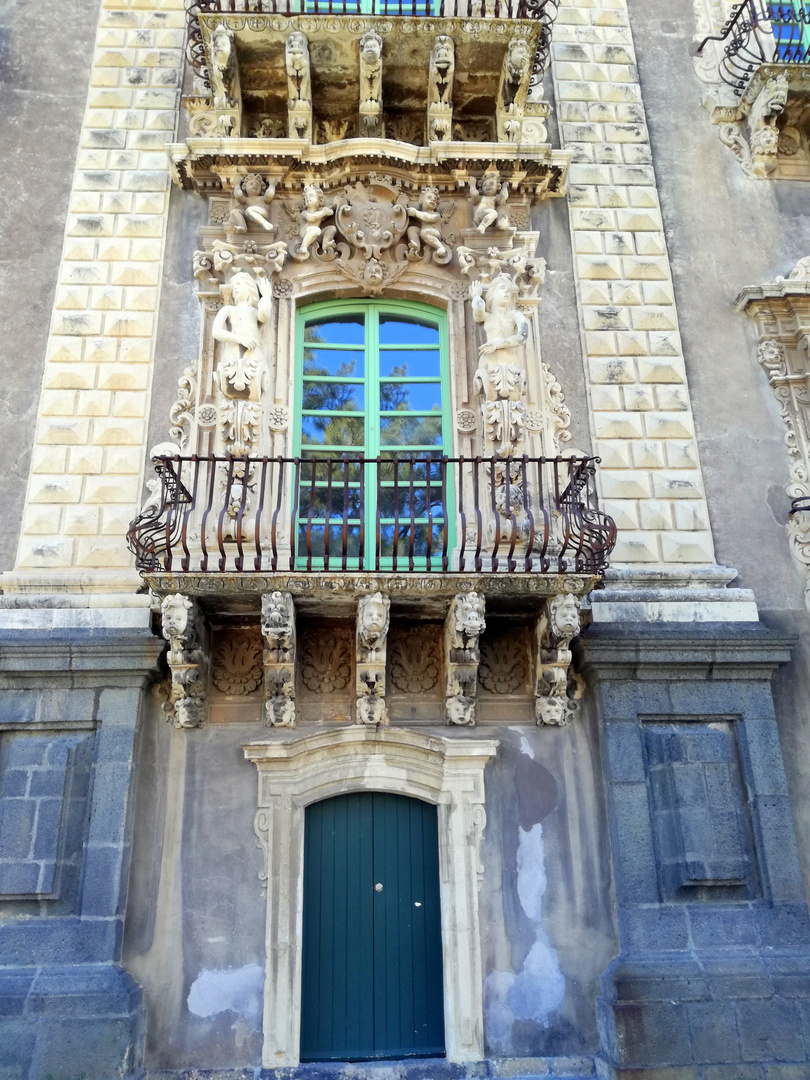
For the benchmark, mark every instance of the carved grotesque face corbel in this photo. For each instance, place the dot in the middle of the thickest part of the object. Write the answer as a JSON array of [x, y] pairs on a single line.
[[518, 58], [373, 618], [443, 54], [296, 52], [176, 611], [221, 42], [370, 49], [471, 616]]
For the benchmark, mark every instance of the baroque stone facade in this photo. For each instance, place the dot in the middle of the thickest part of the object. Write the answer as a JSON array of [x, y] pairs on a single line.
[[399, 435]]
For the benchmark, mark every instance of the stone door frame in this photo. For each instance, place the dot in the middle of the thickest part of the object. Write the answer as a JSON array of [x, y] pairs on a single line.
[[448, 772]]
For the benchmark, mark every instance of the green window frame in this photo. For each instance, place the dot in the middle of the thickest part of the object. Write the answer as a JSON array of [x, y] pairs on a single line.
[[416, 511]]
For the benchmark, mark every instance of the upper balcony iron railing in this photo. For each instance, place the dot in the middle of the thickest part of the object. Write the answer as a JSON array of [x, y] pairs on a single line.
[[544, 10], [417, 513], [758, 32]]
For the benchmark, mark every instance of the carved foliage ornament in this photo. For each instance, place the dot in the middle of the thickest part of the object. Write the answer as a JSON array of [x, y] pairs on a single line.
[[236, 664]]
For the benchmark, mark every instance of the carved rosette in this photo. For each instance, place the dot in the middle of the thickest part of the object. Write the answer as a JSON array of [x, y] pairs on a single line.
[[556, 690], [278, 631], [373, 619], [462, 629], [184, 629]]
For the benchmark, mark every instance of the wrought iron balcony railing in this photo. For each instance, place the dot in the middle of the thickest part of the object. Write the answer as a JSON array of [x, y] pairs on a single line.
[[420, 513], [544, 10], [758, 32]]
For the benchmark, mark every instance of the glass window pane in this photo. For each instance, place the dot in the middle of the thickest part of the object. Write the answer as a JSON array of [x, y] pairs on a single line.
[[336, 397], [325, 504], [410, 397], [400, 330], [411, 431], [420, 541], [334, 362], [405, 504], [336, 330], [401, 471], [332, 430], [420, 364], [329, 466], [316, 542]]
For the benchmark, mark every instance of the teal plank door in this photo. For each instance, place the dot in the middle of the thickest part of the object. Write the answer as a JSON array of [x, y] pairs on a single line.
[[372, 951]]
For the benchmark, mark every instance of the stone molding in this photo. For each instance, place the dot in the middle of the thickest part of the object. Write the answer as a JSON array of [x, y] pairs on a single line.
[[444, 771]]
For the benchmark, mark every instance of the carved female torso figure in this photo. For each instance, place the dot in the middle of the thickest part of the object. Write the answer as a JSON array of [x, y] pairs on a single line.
[[505, 328], [242, 368]]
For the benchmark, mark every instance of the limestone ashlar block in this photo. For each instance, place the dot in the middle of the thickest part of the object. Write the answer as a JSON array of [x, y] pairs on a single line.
[[635, 547], [648, 454], [150, 225], [41, 521], [595, 175], [671, 398], [129, 404], [656, 514], [574, 112], [599, 112], [85, 202], [650, 243], [588, 243], [605, 397], [605, 318], [687, 547], [613, 54], [600, 343], [81, 273], [668, 425], [123, 460], [638, 398], [636, 177], [123, 160], [119, 20], [645, 268], [118, 432], [136, 351], [44, 552], [670, 484], [113, 489], [625, 484], [134, 274], [690, 516], [606, 268], [681, 455], [101, 351], [116, 202], [106, 77], [72, 298], [665, 343], [77, 248], [108, 298], [94, 403], [149, 202], [631, 343], [102, 552], [56, 488], [570, 51], [617, 426], [85, 460], [80, 521], [637, 154], [49, 459], [117, 250], [128, 324], [615, 453], [653, 318], [625, 512], [124, 377], [582, 133], [611, 196], [67, 432], [140, 299], [611, 369], [58, 402], [620, 243], [660, 370], [145, 141], [597, 294], [626, 294], [114, 521], [147, 250], [582, 195]]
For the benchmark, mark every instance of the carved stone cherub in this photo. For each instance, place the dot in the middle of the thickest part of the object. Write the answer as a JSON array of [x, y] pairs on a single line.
[[428, 216], [254, 198], [468, 621], [311, 218], [563, 619], [371, 709], [371, 83], [374, 613], [554, 711], [242, 364], [279, 708], [296, 60], [223, 62], [488, 202], [460, 710]]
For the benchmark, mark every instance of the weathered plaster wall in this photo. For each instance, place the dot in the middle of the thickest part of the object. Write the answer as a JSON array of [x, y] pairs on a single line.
[[194, 936], [725, 232], [44, 89]]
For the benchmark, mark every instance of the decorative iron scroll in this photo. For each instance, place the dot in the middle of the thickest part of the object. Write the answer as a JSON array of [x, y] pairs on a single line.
[[432, 514], [760, 32]]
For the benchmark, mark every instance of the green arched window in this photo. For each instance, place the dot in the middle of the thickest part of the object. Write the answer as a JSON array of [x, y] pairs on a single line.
[[371, 383]]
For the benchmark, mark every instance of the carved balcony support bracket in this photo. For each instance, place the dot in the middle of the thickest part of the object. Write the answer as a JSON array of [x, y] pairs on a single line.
[[278, 630], [373, 618], [440, 89], [371, 105], [556, 689], [184, 629], [781, 312], [463, 627], [514, 87], [299, 86]]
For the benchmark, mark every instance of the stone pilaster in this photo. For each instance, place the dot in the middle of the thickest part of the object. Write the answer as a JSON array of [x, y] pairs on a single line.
[[641, 416]]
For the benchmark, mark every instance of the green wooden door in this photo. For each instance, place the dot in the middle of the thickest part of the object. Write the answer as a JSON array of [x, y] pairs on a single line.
[[372, 953]]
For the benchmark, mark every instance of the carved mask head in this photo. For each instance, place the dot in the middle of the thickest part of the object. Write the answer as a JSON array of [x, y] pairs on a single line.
[[370, 48], [430, 199], [296, 51], [373, 272], [374, 614], [502, 292], [551, 710], [176, 612], [518, 57], [470, 615], [564, 614], [490, 182], [443, 53], [312, 197], [221, 43], [252, 185]]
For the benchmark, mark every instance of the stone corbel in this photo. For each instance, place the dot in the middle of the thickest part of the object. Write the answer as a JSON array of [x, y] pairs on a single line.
[[373, 617], [371, 105], [463, 627], [440, 89], [514, 86], [555, 687], [184, 629], [299, 86], [749, 129], [278, 630]]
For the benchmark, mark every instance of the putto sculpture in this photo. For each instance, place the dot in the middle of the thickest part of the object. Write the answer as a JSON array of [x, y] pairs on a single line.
[[487, 202], [252, 197], [311, 218], [427, 230]]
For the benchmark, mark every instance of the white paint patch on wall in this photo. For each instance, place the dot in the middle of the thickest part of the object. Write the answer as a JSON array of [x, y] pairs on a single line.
[[539, 987], [237, 990]]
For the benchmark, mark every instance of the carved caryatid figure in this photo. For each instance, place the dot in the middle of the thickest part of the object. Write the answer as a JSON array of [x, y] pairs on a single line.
[[223, 66], [182, 628], [502, 378], [427, 231], [488, 201], [253, 198], [242, 367], [440, 89], [311, 219], [299, 86], [371, 84]]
